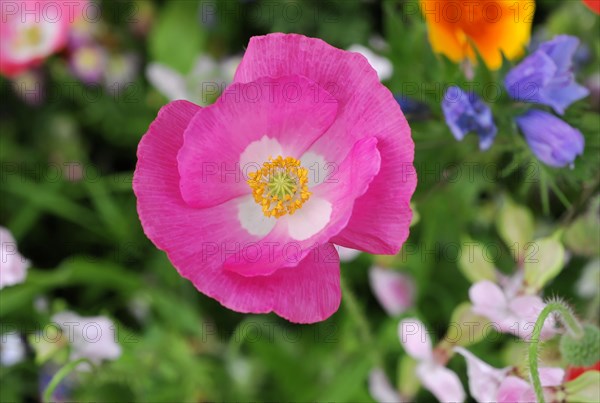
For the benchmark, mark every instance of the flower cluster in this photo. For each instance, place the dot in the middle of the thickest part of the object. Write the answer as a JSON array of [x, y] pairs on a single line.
[[546, 78]]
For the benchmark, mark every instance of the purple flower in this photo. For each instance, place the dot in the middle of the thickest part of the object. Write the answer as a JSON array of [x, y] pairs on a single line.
[[553, 141], [466, 112], [546, 76]]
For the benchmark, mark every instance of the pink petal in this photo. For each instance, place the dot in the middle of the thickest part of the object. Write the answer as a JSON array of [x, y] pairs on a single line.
[[515, 390], [394, 291], [282, 250], [414, 337], [488, 300], [551, 376], [292, 110], [197, 241], [484, 380], [527, 309], [381, 389], [381, 217], [309, 292], [442, 382]]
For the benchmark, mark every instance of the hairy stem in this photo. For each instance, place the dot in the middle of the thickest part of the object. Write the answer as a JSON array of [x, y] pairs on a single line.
[[572, 325], [60, 375]]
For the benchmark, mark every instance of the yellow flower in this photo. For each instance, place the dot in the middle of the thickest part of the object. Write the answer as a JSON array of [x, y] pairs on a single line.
[[493, 26]]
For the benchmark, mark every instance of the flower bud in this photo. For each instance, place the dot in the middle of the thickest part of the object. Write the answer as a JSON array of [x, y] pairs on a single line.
[[581, 352]]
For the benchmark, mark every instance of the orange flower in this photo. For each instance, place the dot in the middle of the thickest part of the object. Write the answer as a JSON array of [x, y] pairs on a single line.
[[492, 26]]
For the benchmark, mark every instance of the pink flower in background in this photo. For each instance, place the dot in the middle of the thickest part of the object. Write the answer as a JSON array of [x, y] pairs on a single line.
[[380, 388], [31, 30], [509, 314], [517, 390], [394, 291], [91, 337], [484, 380], [306, 149], [442, 382], [13, 266]]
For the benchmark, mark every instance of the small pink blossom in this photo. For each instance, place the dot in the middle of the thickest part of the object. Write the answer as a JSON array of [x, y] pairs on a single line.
[[516, 315], [32, 30], [249, 196], [394, 291], [517, 390], [484, 380], [13, 266], [380, 388], [442, 382], [91, 337]]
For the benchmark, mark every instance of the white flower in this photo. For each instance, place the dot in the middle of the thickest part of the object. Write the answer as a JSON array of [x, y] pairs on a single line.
[[442, 382], [13, 266], [382, 65], [92, 337], [12, 349], [203, 83]]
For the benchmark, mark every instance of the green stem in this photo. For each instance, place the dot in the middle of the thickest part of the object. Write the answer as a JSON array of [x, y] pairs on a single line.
[[60, 375], [572, 326], [353, 308]]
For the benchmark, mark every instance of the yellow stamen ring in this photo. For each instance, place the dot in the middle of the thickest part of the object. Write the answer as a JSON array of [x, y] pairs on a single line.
[[280, 186]]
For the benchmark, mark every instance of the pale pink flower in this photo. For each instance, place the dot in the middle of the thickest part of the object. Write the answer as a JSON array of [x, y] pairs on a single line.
[[484, 380], [380, 388], [516, 315], [517, 390], [442, 382], [394, 291], [92, 337], [13, 266]]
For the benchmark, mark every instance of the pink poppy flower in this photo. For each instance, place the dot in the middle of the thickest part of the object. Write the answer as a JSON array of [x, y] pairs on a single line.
[[516, 315], [394, 291], [31, 30], [442, 382], [306, 149]]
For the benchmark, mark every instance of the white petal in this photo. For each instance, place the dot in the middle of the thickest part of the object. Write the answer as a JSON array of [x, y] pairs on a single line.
[[382, 66], [551, 376], [12, 349], [258, 152], [488, 300], [166, 80], [318, 169], [393, 290], [442, 382], [90, 337], [415, 339], [380, 388], [252, 218], [13, 266], [484, 380], [311, 218], [347, 254]]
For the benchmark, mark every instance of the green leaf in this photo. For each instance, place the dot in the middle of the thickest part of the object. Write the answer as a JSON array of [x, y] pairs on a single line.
[[544, 263], [177, 37], [515, 225], [473, 262]]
